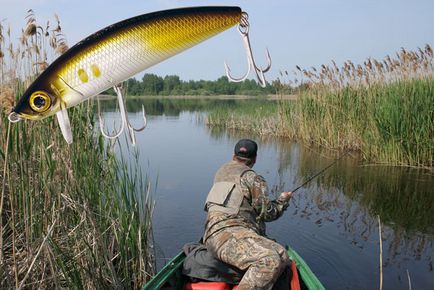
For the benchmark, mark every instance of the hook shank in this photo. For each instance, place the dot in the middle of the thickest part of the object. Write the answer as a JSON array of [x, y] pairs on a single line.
[[243, 29], [124, 118]]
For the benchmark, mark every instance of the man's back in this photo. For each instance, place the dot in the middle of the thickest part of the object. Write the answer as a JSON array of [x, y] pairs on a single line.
[[238, 205]]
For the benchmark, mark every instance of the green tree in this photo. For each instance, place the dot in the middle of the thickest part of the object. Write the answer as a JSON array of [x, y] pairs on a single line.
[[152, 84], [134, 87], [171, 83]]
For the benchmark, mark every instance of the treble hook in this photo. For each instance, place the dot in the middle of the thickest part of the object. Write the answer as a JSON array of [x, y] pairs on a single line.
[[243, 28], [124, 118]]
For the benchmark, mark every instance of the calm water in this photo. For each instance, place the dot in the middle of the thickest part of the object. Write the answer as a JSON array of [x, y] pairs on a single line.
[[332, 222]]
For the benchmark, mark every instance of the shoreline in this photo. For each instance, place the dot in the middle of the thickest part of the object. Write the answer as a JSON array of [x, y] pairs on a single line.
[[215, 97]]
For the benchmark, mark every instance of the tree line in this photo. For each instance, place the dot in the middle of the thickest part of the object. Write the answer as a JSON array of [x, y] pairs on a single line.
[[172, 85]]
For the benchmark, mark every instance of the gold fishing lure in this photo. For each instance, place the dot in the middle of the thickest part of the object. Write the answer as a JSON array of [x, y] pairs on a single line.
[[116, 53]]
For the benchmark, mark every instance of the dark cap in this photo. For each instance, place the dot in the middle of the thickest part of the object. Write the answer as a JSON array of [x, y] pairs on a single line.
[[246, 148]]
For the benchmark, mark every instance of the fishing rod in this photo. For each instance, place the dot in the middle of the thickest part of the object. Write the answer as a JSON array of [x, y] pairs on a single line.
[[320, 172]]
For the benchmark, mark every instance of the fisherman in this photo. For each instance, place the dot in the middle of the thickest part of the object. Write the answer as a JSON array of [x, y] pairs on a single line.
[[238, 207]]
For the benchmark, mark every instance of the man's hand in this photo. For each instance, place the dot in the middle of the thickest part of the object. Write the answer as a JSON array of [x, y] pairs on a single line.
[[285, 196]]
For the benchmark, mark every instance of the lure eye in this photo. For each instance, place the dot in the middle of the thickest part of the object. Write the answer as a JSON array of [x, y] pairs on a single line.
[[40, 102]]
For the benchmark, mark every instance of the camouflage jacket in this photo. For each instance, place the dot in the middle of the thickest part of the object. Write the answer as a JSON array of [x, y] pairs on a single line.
[[255, 210]]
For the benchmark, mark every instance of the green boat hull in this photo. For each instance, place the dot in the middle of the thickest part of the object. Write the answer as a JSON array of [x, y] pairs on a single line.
[[170, 277]]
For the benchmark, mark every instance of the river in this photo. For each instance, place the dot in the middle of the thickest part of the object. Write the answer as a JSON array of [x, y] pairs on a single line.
[[332, 222]]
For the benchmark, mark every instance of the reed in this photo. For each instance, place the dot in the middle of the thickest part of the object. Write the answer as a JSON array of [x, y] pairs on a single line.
[[382, 109], [72, 216], [257, 116]]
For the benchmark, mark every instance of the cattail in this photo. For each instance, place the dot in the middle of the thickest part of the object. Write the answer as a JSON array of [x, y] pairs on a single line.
[[23, 39], [53, 41], [369, 64], [359, 70], [428, 50], [58, 28], [7, 97], [36, 49], [389, 60], [42, 65], [377, 65], [421, 52], [61, 48], [30, 30], [386, 65], [47, 28], [403, 56], [335, 67]]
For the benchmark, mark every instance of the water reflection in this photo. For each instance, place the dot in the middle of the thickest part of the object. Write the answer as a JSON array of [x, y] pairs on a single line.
[[403, 197], [173, 107], [332, 221], [287, 153], [347, 199]]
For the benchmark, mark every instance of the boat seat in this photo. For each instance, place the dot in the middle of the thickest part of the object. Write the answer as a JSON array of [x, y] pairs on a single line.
[[295, 283], [207, 286]]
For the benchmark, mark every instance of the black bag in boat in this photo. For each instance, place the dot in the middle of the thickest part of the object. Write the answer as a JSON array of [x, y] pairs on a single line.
[[201, 265]]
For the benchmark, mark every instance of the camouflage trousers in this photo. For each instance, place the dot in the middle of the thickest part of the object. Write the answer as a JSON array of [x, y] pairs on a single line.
[[262, 259]]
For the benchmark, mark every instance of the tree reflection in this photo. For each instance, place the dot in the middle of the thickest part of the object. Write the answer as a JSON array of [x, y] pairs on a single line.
[[173, 106]]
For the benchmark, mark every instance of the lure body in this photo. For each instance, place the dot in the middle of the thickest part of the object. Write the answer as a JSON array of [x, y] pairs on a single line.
[[117, 53]]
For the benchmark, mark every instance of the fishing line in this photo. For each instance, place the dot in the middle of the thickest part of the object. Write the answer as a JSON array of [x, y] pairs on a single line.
[[320, 172]]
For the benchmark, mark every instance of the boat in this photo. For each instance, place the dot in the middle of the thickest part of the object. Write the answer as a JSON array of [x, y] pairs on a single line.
[[170, 276]]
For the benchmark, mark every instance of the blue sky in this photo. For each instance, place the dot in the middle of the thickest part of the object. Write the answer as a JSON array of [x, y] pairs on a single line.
[[296, 32]]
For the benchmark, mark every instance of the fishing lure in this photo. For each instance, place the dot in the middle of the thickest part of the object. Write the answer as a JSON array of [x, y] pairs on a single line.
[[116, 53]]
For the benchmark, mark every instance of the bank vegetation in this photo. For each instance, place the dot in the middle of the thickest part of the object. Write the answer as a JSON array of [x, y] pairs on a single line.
[[71, 216], [382, 109]]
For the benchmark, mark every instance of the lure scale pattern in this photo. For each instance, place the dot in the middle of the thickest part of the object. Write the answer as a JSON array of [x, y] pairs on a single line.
[[122, 50]]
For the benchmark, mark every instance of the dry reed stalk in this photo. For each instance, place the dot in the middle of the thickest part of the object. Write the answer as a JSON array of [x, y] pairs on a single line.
[[407, 65], [7, 98], [13, 224], [50, 230], [61, 48], [381, 253], [409, 280], [3, 193]]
